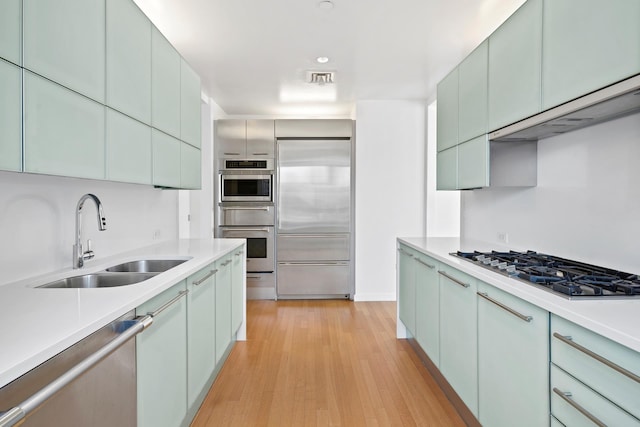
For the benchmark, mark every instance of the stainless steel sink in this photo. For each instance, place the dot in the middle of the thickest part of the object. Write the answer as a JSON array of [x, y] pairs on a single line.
[[147, 265], [100, 280]]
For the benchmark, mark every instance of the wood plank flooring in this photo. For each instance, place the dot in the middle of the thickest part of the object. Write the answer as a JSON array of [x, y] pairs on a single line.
[[324, 363]]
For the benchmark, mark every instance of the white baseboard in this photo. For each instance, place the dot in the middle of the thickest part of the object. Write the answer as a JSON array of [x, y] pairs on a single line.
[[374, 297]]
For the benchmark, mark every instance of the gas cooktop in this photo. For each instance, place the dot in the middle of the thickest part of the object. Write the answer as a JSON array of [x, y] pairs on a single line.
[[573, 279]]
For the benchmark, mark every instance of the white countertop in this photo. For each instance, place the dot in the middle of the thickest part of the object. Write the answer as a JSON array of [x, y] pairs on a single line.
[[38, 323], [616, 319]]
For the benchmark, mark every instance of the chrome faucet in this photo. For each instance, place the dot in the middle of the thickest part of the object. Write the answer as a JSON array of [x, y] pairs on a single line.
[[79, 256]]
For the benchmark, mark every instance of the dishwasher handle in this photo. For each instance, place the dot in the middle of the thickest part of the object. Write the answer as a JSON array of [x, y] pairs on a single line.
[[14, 415]]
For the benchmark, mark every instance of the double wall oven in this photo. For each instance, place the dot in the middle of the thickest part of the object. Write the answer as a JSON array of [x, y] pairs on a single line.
[[246, 210]]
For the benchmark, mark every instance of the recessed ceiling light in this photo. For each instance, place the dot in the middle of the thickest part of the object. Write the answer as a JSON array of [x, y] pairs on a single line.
[[325, 4], [322, 59]]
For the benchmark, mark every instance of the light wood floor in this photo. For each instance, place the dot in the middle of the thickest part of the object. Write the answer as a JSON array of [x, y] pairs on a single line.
[[324, 363]]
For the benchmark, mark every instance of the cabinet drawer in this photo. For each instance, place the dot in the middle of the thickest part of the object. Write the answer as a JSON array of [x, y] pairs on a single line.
[[247, 215], [313, 279], [328, 247], [597, 374], [580, 400]]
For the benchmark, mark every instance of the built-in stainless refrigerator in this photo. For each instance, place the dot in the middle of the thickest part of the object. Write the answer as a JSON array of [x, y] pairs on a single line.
[[314, 217]]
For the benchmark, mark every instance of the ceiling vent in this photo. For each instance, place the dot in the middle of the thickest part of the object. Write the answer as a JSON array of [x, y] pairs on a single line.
[[321, 77]]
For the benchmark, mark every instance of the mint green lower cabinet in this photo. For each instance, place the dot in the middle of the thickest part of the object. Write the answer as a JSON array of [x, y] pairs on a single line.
[[11, 30], [555, 422], [407, 289], [161, 362], [237, 288], [459, 334], [128, 149], [201, 322], [428, 306], [473, 163], [223, 306], [10, 117], [587, 44], [190, 160], [64, 131], [447, 169], [166, 160], [513, 360]]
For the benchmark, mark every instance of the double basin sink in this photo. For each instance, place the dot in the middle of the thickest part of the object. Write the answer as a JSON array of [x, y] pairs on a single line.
[[123, 274]]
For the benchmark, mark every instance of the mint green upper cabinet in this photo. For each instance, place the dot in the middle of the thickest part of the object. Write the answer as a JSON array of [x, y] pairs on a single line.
[[407, 289], [447, 169], [514, 66], [189, 105], [223, 307], [447, 117], [588, 44], [10, 117], [128, 60], [237, 289], [166, 160], [190, 176], [64, 131], [165, 85], [472, 96], [473, 163], [11, 30], [161, 362], [64, 40], [428, 306], [128, 149], [513, 360]]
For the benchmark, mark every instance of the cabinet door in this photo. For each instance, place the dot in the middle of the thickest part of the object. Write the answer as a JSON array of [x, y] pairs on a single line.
[[587, 44], [11, 30], [223, 307], [513, 360], [166, 160], [161, 362], [237, 289], [447, 113], [407, 289], [201, 322], [231, 138], [428, 307], [64, 131], [260, 138], [472, 96], [165, 85], [64, 40], [473, 163], [189, 105], [447, 169], [128, 149], [128, 60], [10, 117], [190, 175], [459, 334], [514, 66]]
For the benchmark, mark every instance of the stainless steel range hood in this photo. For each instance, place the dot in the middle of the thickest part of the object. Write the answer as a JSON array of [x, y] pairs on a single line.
[[609, 103]]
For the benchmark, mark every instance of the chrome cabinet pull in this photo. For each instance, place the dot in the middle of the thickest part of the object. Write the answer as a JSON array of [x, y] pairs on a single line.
[[568, 340], [453, 279], [14, 415], [202, 280], [405, 252], [239, 253], [259, 154], [425, 264], [168, 304], [504, 307], [567, 398], [231, 154], [224, 264], [262, 229], [313, 264], [246, 208]]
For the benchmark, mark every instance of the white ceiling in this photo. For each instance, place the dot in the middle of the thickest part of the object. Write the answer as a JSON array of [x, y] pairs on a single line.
[[253, 55]]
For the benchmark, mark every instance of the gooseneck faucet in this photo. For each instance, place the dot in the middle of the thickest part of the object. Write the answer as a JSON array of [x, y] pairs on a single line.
[[79, 256]]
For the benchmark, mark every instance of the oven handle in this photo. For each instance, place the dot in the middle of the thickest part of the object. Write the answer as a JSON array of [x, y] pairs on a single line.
[[246, 208], [263, 229]]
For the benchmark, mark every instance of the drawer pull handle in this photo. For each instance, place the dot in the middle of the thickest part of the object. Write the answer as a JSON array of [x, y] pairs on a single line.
[[239, 253], [168, 304], [246, 208], [504, 307], [567, 398], [209, 274], [617, 368], [227, 262], [453, 279], [402, 251], [425, 264]]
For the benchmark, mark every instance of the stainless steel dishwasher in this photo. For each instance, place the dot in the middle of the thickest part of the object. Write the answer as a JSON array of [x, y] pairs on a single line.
[[92, 383]]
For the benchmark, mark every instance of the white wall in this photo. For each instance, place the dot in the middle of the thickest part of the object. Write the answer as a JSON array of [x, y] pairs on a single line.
[[586, 203], [390, 139], [37, 220]]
